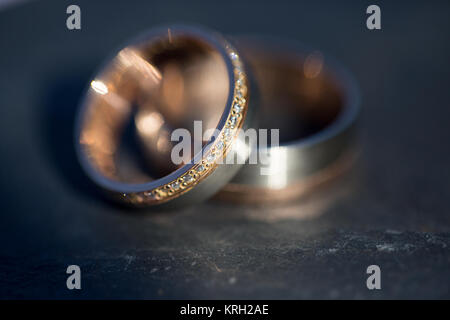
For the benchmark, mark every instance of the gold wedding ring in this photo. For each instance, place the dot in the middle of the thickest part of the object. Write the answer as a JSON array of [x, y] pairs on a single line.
[[173, 77], [314, 102]]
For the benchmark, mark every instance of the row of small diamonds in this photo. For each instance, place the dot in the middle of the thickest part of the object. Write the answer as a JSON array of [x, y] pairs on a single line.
[[216, 152]]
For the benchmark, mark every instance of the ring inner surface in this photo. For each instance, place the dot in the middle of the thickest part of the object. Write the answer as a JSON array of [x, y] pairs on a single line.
[[154, 88], [297, 94]]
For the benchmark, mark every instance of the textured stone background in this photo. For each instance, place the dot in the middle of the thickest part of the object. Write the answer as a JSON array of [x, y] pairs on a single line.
[[392, 209]]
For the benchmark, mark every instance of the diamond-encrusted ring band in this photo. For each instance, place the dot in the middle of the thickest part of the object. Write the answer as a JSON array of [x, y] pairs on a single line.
[[314, 103], [174, 77]]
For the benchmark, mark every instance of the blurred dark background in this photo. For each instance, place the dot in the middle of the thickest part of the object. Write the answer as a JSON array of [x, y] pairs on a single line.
[[392, 209]]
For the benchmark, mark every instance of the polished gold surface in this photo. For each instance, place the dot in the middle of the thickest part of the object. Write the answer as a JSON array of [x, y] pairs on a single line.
[[263, 196]]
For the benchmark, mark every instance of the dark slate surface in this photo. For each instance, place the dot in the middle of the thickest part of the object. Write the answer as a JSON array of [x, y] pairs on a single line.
[[392, 209]]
